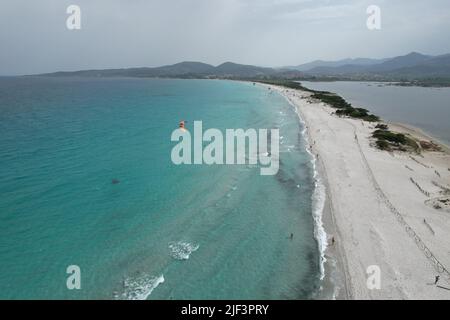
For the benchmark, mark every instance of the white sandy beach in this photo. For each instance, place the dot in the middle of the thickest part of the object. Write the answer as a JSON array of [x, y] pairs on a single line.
[[376, 214]]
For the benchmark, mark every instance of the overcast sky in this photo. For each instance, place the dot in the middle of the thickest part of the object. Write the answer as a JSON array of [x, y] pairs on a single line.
[[128, 33]]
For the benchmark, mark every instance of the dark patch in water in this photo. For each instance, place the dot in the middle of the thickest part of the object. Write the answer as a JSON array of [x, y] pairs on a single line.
[[284, 179], [309, 286], [115, 181]]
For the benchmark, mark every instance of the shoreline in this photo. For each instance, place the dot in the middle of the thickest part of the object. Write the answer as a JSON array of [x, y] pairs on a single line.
[[319, 206], [365, 187], [418, 133], [332, 281]]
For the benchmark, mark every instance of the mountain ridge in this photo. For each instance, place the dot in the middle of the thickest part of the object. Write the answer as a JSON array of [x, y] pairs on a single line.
[[412, 66], [336, 63], [185, 68]]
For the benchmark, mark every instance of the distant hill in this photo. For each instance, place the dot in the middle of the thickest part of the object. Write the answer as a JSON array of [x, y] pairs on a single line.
[[321, 63], [438, 66], [241, 70], [185, 69], [405, 61], [413, 65], [179, 69]]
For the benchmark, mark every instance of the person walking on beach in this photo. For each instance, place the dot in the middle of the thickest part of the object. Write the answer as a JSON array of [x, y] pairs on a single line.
[[436, 279]]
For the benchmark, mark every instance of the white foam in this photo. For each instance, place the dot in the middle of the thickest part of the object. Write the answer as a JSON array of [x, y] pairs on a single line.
[[319, 197], [140, 288], [181, 250], [318, 206]]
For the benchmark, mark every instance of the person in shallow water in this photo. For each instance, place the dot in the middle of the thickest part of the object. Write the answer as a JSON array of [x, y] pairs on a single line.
[[115, 181]]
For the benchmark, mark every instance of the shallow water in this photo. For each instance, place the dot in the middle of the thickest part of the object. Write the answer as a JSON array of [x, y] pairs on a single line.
[[86, 179]]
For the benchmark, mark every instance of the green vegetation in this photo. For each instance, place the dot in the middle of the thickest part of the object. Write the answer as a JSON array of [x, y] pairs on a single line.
[[332, 99], [284, 83], [390, 136], [382, 126], [384, 139], [382, 144], [344, 108], [358, 113], [388, 140]]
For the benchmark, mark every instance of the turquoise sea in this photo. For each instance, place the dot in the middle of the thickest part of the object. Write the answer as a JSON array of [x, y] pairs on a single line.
[[86, 179]]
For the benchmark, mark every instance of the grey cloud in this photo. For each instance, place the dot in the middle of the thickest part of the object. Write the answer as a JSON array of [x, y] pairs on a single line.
[[127, 33]]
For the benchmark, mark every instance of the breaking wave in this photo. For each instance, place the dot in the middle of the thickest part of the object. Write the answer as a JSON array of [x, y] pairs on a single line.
[[182, 250]]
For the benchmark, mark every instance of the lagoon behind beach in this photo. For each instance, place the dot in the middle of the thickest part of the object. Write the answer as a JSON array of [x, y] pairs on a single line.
[[424, 108]]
